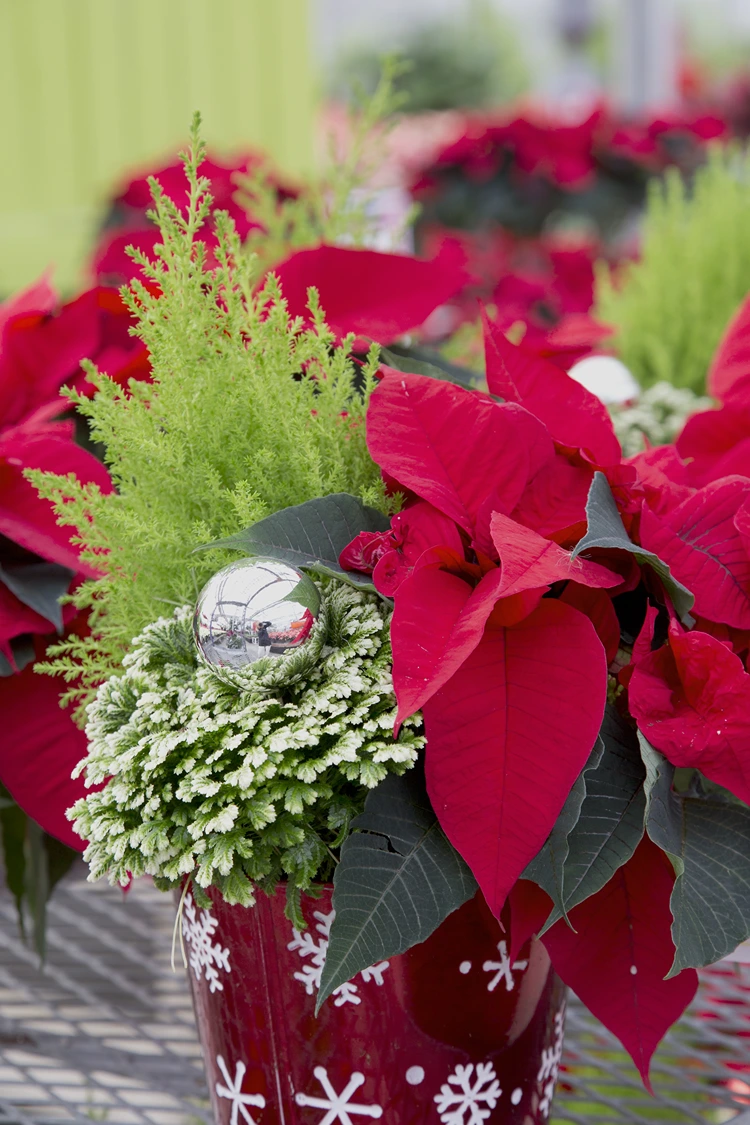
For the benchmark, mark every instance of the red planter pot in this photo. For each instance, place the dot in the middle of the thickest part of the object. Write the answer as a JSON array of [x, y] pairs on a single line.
[[450, 1033]]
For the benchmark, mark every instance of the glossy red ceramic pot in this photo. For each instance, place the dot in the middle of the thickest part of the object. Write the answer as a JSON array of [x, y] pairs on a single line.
[[450, 1032]]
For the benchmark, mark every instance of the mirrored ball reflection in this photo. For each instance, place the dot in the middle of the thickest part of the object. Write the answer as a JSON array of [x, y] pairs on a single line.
[[244, 612]]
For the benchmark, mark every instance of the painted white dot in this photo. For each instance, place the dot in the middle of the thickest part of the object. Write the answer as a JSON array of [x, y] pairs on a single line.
[[634, 969], [415, 1075], [516, 1096], [465, 967]]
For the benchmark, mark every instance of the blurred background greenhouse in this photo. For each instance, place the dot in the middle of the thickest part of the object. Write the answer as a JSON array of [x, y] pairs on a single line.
[[93, 89]]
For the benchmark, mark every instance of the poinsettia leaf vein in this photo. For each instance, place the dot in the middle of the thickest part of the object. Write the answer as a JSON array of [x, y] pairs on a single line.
[[705, 837], [310, 536], [610, 824], [606, 531], [397, 880]]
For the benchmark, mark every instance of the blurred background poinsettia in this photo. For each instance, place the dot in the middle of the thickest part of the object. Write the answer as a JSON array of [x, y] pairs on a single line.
[[539, 165]]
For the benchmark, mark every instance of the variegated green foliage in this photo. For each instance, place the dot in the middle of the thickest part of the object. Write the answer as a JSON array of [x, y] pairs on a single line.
[[251, 778]]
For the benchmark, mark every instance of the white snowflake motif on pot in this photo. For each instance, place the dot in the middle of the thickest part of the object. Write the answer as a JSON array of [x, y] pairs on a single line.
[[231, 1089], [503, 970], [550, 1065], [337, 1106], [468, 1098], [316, 949], [206, 956]]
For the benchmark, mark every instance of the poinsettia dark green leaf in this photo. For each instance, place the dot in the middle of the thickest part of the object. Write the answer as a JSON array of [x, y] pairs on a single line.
[[23, 652], [706, 837], [547, 869], [12, 849], [606, 531], [39, 585], [32, 863], [421, 361], [311, 536], [398, 879], [611, 821]]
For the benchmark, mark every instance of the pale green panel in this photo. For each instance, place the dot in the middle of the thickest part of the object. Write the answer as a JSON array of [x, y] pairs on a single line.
[[94, 89]]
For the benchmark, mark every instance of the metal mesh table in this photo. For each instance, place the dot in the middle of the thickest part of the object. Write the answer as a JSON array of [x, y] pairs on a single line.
[[106, 1032]]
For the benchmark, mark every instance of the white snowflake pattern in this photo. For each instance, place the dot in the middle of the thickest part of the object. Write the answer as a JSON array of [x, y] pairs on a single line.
[[338, 1106], [205, 954], [232, 1090], [375, 972], [550, 1065], [475, 1098], [503, 969], [316, 949]]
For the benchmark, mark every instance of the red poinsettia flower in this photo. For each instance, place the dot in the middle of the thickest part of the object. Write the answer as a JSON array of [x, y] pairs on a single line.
[[705, 549], [468, 568], [41, 348], [561, 152], [539, 144], [544, 284], [42, 344], [41, 744], [39, 351], [502, 637], [691, 698], [661, 141]]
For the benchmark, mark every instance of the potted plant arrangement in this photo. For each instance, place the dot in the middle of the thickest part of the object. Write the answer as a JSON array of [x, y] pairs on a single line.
[[423, 702]]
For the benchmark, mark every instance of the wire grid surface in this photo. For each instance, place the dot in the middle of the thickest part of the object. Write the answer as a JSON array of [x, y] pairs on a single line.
[[106, 1032]]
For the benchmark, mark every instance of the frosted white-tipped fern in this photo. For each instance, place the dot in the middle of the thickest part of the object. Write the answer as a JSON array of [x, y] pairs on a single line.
[[243, 782]]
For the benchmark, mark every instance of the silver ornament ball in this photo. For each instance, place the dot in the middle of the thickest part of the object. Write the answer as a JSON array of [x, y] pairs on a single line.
[[251, 609]]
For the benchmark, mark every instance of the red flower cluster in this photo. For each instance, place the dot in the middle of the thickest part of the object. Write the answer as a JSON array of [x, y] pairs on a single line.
[[505, 638], [666, 140], [545, 284], [506, 185], [41, 349], [540, 145], [569, 155]]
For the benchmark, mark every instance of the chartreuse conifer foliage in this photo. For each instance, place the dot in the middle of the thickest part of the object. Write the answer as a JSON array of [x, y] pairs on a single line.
[[246, 414], [337, 207], [672, 307]]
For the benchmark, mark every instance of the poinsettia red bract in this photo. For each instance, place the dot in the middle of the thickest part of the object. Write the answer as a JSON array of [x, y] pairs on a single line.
[[375, 295], [495, 665], [525, 709], [691, 698], [619, 950]]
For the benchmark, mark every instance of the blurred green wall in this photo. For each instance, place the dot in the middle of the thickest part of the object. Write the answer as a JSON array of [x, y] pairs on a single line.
[[92, 88]]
